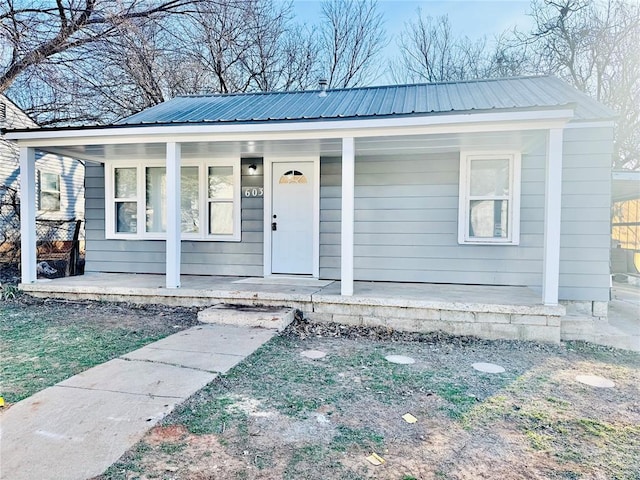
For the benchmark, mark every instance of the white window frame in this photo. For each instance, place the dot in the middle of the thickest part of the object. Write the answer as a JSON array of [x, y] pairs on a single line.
[[513, 217], [203, 178], [42, 190]]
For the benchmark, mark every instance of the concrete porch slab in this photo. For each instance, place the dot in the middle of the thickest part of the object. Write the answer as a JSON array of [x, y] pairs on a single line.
[[464, 298], [503, 312], [285, 280]]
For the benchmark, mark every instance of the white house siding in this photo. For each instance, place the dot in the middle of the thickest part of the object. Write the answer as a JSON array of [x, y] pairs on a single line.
[[148, 256], [586, 214], [71, 172], [9, 154]]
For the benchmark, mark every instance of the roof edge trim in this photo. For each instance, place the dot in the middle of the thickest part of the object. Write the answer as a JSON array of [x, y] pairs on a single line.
[[325, 129]]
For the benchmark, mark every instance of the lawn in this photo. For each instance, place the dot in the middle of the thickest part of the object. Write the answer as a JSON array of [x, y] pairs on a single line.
[[280, 415], [45, 342]]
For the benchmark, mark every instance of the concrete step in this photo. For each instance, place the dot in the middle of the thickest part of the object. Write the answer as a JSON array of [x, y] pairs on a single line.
[[276, 318]]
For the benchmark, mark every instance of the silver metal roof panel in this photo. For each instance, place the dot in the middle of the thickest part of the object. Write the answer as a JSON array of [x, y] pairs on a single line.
[[395, 100]]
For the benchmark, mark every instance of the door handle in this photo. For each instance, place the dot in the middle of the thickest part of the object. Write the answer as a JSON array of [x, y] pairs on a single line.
[[274, 226]]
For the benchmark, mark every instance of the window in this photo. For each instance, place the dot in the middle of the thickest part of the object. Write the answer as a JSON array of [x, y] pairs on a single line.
[[220, 198], [156, 199], [210, 196], [126, 200], [49, 191], [489, 210]]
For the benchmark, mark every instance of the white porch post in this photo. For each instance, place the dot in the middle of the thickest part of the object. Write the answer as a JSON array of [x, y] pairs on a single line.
[[173, 161], [28, 214], [552, 208], [348, 182]]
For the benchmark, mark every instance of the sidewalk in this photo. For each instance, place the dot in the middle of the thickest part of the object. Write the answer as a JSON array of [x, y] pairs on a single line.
[[624, 315], [79, 427]]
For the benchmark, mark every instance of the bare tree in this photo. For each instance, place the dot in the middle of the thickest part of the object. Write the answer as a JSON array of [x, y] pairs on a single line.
[[301, 52], [214, 46], [245, 47], [593, 46], [429, 51], [508, 57], [32, 33], [352, 37]]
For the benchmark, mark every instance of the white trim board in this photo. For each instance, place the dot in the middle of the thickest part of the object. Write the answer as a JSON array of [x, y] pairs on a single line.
[[455, 123]]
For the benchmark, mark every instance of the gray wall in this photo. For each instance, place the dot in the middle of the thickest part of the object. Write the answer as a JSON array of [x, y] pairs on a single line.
[[406, 214], [586, 214], [406, 225], [406, 220], [148, 256]]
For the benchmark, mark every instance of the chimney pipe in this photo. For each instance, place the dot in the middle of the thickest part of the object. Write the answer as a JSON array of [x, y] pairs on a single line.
[[323, 87]]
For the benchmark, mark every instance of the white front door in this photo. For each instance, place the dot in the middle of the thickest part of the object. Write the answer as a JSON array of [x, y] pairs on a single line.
[[292, 217]]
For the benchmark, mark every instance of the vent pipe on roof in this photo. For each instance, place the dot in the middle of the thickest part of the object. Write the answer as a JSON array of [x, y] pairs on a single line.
[[323, 83]]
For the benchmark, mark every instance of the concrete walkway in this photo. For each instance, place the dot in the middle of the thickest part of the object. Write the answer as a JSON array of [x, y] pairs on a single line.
[[79, 427], [624, 317]]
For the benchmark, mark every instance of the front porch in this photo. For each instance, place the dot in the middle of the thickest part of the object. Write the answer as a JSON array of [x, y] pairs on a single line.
[[491, 312]]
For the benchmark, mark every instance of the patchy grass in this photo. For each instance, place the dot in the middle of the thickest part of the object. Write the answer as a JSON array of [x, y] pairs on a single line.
[[45, 342], [279, 415]]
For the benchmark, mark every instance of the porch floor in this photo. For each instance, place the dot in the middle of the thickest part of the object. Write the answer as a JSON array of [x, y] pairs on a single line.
[[198, 290]]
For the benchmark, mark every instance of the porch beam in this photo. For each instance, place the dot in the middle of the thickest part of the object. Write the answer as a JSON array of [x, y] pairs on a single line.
[[552, 211], [346, 243], [28, 214], [173, 162]]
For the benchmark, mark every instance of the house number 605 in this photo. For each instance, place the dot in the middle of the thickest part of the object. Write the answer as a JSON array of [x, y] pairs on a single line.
[[253, 191]]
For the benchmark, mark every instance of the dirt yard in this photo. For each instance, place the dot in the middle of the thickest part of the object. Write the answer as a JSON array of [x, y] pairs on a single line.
[[281, 415]]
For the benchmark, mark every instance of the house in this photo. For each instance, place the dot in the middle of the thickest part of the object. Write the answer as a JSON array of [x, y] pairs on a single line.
[[58, 190], [501, 182], [625, 224]]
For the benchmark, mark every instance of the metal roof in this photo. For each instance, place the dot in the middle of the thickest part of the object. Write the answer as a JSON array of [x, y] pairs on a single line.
[[504, 94], [626, 185]]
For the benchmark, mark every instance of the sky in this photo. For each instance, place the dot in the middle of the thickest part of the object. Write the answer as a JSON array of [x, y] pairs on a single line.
[[473, 18]]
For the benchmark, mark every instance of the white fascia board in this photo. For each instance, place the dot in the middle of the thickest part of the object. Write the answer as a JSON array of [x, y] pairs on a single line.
[[601, 124], [458, 123]]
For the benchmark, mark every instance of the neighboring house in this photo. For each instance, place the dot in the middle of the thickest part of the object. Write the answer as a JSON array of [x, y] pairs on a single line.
[[59, 192], [625, 228], [491, 182]]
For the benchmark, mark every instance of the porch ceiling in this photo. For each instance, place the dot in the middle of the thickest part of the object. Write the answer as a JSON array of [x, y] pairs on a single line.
[[391, 145]]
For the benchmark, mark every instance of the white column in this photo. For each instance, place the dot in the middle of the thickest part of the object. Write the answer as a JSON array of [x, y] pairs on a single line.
[[348, 182], [28, 214], [173, 161], [552, 207]]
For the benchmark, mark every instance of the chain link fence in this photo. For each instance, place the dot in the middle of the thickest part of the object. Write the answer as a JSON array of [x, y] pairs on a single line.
[[60, 243]]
